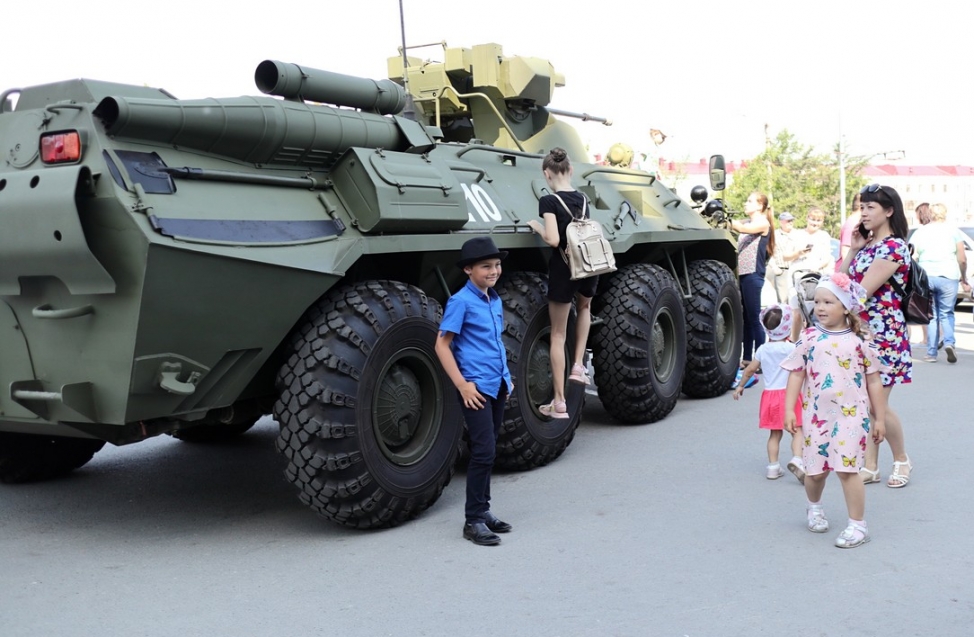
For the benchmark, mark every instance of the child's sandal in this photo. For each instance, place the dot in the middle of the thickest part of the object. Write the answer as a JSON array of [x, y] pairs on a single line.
[[817, 522], [554, 410], [854, 535]]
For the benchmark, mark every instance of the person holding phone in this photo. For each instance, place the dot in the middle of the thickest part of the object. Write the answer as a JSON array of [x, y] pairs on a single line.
[[786, 250], [816, 253], [872, 261]]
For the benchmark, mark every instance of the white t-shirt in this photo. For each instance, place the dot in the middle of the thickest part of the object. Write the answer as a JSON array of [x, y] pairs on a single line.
[[936, 249], [819, 258], [771, 355]]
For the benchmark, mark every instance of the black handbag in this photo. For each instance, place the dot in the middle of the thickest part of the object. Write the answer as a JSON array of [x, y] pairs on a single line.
[[918, 297]]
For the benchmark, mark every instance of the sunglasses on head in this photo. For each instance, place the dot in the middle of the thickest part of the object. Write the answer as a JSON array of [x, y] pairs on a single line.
[[871, 188]]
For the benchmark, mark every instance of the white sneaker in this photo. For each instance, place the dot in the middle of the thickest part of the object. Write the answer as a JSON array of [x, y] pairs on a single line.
[[796, 467], [774, 471], [817, 523]]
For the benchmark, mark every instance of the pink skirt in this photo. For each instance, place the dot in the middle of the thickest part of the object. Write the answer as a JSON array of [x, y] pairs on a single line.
[[773, 409]]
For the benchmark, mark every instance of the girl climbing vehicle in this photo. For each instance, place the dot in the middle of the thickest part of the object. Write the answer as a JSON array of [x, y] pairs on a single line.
[[556, 210]]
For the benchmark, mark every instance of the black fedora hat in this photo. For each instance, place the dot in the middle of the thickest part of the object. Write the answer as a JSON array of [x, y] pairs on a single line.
[[479, 249]]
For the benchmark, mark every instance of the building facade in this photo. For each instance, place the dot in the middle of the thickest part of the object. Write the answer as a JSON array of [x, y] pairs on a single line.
[[952, 186]]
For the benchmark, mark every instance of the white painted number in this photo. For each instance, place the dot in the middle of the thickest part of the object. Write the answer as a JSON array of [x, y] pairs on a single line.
[[480, 201]]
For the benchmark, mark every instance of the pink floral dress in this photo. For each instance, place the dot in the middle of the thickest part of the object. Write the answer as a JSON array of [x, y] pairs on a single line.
[[884, 311], [834, 400]]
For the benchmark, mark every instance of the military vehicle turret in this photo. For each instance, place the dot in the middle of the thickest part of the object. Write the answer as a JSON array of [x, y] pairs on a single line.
[[184, 266]]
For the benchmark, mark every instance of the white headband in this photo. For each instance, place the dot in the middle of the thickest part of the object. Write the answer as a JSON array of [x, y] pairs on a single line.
[[850, 294], [783, 330]]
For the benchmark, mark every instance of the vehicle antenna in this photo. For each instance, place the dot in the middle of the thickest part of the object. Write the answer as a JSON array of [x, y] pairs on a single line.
[[409, 110]]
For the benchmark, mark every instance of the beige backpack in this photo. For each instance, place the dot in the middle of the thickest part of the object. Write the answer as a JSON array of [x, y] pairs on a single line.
[[586, 252]]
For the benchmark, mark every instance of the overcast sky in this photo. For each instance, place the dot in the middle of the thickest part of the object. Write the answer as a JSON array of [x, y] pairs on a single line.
[[890, 75]]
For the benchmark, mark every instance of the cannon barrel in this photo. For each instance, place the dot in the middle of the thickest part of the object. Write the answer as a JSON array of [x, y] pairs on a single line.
[[260, 130], [291, 81]]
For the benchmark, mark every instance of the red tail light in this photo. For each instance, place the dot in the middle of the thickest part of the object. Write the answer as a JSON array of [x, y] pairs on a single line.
[[60, 148]]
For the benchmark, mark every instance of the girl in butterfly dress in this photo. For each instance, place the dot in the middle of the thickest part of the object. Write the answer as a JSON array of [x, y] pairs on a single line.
[[776, 320], [835, 370]]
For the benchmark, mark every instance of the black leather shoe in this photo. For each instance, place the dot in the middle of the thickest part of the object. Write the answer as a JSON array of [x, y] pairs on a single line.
[[495, 525], [478, 533]]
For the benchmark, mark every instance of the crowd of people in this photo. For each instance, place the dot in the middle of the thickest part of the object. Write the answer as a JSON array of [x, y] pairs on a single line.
[[830, 369]]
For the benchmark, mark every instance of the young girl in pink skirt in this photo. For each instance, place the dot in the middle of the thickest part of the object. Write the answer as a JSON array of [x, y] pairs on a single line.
[[834, 371], [776, 320]]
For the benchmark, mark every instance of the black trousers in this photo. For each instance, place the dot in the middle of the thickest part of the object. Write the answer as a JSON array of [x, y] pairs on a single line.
[[483, 427]]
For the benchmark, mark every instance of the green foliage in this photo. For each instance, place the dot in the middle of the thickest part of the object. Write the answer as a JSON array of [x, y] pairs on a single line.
[[795, 178]]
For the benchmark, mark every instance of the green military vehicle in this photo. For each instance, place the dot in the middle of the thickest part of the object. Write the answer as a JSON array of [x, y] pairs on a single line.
[[185, 266]]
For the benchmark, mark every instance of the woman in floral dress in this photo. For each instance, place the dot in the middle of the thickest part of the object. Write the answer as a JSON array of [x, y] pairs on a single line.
[[877, 252]]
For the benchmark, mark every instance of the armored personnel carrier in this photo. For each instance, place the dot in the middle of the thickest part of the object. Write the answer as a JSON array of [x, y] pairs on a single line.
[[184, 266]]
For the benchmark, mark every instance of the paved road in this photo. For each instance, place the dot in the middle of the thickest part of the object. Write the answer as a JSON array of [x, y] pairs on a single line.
[[663, 529]]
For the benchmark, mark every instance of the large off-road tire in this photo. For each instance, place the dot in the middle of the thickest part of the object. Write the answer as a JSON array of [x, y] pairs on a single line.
[[528, 439], [715, 329], [370, 423], [27, 458], [640, 348]]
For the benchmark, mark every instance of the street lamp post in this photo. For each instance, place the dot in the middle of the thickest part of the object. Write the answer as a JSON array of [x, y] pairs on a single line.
[[841, 183]]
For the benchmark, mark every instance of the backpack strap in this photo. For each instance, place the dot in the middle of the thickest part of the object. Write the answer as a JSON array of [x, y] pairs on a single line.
[[896, 286], [568, 210], [909, 271]]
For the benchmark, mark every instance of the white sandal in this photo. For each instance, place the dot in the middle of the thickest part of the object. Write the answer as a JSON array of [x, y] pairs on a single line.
[[817, 522], [854, 535], [896, 479], [868, 476]]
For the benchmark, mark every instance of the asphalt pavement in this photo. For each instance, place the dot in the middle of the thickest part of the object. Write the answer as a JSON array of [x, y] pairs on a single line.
[[665, 529]]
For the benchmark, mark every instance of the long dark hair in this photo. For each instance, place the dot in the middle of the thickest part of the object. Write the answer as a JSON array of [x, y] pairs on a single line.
[[769, 215], [888, 198]]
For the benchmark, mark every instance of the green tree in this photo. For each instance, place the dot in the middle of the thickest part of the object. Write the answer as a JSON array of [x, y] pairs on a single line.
[[796, 178]]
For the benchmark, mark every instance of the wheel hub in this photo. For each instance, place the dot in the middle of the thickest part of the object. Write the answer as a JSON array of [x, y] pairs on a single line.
[[723, 333], [398, 406], [663, 346], [540, 385]]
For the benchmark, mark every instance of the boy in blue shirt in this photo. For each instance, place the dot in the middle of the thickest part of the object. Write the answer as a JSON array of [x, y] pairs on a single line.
[[472, 353]]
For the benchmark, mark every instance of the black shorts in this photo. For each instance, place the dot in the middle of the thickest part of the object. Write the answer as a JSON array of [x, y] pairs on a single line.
[[561, 288]]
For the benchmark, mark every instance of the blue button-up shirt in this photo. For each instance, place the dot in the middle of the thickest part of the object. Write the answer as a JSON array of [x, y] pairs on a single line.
[[476, 320]]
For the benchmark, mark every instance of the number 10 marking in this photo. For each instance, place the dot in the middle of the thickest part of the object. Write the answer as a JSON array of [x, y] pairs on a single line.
[[480, 201]]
